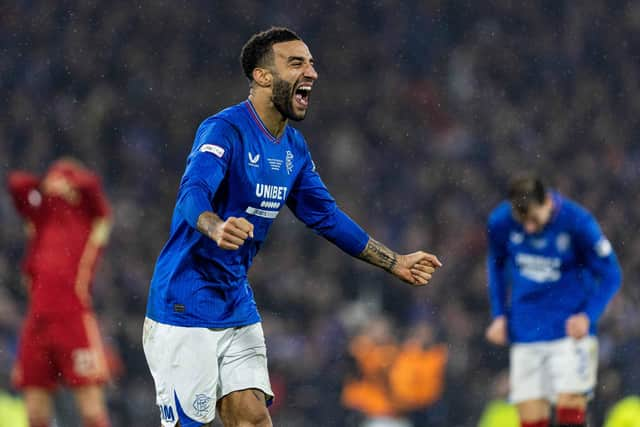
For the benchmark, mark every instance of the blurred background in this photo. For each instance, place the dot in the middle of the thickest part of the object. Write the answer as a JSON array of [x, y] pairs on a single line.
[[422, 111]]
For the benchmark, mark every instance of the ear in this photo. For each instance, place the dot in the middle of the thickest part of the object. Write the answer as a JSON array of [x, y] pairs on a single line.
[[262, 76]]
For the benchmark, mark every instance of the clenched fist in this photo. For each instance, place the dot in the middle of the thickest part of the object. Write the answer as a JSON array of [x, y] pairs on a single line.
[[229, 234]]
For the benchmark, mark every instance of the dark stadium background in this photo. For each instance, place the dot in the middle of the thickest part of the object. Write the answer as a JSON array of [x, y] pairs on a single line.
[[422, 111]]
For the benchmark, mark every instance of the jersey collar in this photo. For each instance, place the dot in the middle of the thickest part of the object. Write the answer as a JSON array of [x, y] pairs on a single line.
[[258, 121]]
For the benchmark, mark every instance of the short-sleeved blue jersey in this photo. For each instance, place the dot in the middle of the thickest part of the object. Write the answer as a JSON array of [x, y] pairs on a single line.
[[237, 168], [566, 268]]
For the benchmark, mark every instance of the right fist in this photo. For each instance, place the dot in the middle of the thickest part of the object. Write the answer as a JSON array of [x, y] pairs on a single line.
[[497, 331], [232, 233]]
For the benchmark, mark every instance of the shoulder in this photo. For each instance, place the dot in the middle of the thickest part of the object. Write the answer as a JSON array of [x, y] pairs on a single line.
[[500, 222], [220, 132], [500, 216], [571, 213], [230, 119], [235, 114], [18, 178], [218, 126], [571, 207]]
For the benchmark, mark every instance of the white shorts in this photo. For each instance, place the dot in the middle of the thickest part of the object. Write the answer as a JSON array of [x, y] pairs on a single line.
[[386, 422], [194, 367], [542, 370]]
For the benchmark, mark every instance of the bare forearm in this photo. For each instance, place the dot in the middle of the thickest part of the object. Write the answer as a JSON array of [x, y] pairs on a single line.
[[207, 223], [100, 230], [379, 255], [229, 234]]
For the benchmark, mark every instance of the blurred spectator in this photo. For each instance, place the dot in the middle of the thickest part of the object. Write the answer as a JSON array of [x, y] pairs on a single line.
[[394, 377]]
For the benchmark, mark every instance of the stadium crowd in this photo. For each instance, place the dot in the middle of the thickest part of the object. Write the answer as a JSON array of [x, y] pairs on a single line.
[[422, 111]]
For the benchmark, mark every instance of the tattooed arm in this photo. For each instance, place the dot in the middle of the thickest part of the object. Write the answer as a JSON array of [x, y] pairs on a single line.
[[310, 201], [415, 268], [379, 255]]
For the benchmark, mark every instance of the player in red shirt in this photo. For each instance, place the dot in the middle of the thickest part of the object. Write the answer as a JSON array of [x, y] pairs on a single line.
[[68, 222]]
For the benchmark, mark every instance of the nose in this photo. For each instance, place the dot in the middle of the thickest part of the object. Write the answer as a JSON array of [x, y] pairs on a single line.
[[530, 226], [310, 72]]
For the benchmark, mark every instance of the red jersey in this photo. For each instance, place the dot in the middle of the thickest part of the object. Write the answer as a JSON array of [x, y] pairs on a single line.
[[67, 217]]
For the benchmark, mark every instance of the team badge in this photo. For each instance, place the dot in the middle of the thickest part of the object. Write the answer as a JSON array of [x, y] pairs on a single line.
[[202, 404], [289, 162]]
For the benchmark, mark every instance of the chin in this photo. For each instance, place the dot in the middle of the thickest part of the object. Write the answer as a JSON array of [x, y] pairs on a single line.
[[297, 117]]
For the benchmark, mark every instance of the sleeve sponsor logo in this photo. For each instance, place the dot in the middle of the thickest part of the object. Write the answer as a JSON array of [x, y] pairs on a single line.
[[213, 149], [603, 248]]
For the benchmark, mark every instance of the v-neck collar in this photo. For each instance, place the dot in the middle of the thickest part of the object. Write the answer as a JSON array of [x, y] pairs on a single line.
[[256, 118]]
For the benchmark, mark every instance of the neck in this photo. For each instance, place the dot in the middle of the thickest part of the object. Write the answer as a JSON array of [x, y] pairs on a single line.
[[268, 113]]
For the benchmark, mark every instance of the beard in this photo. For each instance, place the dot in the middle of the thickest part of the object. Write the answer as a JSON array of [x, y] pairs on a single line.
[[282, 98]]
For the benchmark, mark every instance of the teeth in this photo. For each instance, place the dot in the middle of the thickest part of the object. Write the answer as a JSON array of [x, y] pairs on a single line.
[[305, 88]]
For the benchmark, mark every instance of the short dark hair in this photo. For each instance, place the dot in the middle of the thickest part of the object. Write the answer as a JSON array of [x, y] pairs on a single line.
[[257, 51], [526, 190]]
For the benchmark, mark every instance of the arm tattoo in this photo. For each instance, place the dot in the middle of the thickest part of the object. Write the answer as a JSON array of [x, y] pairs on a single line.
[[207, 222], [378, 254]]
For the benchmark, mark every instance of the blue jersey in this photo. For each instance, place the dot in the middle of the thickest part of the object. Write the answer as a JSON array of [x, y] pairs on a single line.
[[237, 168], [566, 268]]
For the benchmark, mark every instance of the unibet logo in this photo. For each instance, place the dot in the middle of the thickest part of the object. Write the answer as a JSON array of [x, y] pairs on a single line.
[[539, 269], [271, 191]]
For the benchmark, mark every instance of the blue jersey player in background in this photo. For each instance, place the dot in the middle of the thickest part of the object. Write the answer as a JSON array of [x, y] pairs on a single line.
[[202, 337], [551, 275]]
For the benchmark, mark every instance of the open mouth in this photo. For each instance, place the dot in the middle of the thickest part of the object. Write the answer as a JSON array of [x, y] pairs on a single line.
[[301, 95]]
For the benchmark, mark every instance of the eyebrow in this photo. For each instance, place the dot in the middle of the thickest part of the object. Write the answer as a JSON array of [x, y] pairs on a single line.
[[298, 58]]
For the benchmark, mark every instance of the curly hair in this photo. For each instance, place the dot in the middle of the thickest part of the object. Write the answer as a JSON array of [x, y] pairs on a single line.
[[257, 51]]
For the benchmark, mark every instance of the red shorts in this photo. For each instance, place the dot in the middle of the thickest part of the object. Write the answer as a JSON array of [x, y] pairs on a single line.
[[62, 348]]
